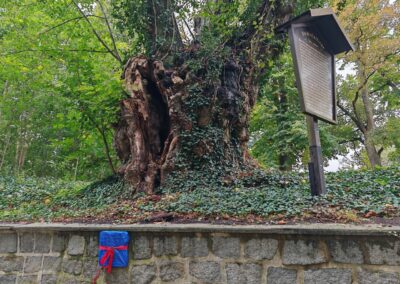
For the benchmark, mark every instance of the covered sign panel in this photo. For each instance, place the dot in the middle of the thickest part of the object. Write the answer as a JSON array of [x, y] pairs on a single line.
[[315, 72], [315, 38]]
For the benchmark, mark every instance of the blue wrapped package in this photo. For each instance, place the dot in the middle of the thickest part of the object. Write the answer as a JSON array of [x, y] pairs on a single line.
[[113, 249]]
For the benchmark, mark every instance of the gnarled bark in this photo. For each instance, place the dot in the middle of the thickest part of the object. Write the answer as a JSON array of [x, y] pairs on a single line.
[[153, 118], [178, 119]]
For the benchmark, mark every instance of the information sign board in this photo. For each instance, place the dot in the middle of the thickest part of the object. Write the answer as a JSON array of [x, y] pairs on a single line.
[[315, 72], [315, 37]]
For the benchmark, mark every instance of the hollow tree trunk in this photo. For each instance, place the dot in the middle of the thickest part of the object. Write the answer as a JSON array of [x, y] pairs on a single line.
[[158, 121], [180, 118]]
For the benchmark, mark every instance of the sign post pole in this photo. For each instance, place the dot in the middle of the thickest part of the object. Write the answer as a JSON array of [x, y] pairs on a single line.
[[315, 38], [315, 167]]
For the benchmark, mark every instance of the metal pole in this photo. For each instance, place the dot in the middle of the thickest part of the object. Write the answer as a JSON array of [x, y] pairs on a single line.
[[315, 167]]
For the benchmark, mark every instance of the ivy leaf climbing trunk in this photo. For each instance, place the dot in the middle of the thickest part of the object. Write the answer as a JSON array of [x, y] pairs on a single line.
[[189, 104]]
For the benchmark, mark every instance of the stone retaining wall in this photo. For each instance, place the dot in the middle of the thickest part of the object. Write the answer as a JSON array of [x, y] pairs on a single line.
[[204, 254]]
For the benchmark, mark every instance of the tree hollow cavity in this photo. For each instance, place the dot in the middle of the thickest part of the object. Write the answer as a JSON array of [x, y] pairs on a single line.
[[159, 120]]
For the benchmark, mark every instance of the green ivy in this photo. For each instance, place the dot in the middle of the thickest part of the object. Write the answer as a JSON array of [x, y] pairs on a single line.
[[259, 193]]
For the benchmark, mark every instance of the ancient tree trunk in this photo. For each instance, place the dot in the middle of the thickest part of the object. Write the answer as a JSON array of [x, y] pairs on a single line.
[[171, 112], [186, 111]]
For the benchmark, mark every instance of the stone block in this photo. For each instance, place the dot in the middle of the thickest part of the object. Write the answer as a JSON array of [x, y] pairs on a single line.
[[11, 263], [76, 245], [165, 246], [226, 247], [206, 271], [260, 248], [118, 276], [90, 267], [377, 277], [141, 247], [143, 274], [72, 266], [49, 279], [58, 243], [328, 276], [278, 275], [42, 243], [93, 246], [8, 243], [249, 273], [51, 263], [384, 252], [32, 264], [26, 242], [345, 251], [8, 278], [68, 279], [27, 279], [194, 247], [171, 271], [302, 252]]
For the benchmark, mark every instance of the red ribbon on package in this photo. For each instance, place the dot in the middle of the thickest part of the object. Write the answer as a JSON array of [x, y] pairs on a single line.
[[109, 255]]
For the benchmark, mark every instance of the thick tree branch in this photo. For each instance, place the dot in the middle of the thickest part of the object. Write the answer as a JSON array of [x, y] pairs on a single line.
[[357, 95], [360, 88]]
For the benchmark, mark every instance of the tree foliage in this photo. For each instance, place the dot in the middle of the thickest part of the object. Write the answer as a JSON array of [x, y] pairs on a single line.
[[279, 132], [60, 89], [369, 100], [60, 86]]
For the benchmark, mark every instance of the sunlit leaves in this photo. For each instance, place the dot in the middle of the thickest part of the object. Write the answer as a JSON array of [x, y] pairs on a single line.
[[61, 86]]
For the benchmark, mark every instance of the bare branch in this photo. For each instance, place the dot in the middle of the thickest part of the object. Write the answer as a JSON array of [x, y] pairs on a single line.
[[53, 49], [96, 33], [66, 22], [110, 30], [190, 31]]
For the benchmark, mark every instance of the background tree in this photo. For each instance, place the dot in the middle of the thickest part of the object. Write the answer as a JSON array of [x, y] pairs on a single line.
[[190, 90], [278, 127], [369, 100], [60, 89]]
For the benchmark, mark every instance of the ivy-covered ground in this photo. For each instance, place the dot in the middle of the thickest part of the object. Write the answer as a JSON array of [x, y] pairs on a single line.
[[257, 197]]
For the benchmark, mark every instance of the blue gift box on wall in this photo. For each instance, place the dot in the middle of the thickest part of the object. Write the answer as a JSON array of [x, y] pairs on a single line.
[[113, 249]]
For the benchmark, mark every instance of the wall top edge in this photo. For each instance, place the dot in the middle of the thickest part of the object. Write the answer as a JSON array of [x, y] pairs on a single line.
[[301, 229]]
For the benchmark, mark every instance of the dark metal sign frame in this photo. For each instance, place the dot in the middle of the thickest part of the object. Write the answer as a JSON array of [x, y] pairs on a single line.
[[306, 95]]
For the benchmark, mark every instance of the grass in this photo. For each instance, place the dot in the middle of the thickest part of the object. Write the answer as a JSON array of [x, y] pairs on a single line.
[[351, 194]]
